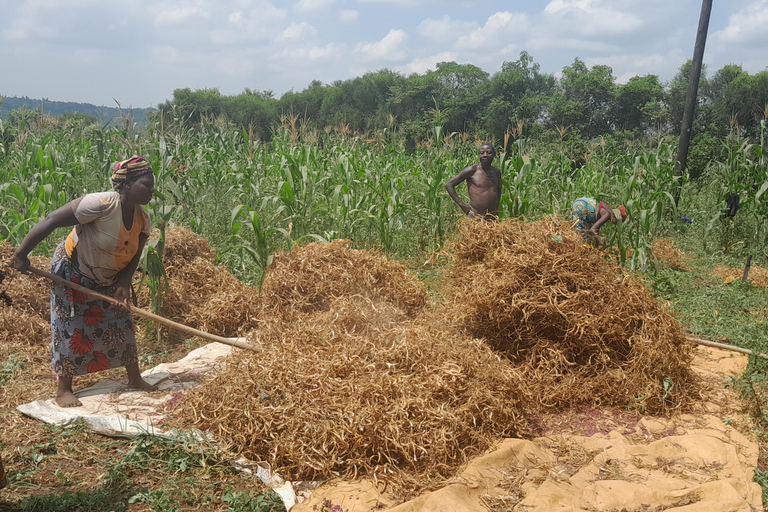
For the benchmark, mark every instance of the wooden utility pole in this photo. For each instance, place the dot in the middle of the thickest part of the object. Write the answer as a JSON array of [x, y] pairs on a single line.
[[690, 97]]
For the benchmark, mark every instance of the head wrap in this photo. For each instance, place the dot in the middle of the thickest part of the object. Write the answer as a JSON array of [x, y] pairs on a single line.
[[129, 170], [621, 209]]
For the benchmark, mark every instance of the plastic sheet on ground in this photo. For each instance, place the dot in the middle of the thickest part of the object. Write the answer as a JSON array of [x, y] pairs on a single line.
[[693, 462], [698, 461], [111, 408]]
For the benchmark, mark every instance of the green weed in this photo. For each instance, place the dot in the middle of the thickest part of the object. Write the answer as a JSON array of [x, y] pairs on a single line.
[[243, 502], [112, 496], [11, 368]]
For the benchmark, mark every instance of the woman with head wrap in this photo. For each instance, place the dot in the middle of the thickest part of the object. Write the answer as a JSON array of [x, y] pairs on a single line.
[[588, 216], [101, 253]]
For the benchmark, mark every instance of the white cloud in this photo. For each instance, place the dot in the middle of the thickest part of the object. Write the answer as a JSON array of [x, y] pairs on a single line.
[[85, 58], [258, 43], [309, 54], [296, 31], [556, 6], [390, 48], [16, 33], [444, 29], [590, 17], [348, 16], [256, 25], [747, 25], [28, 26], [497, 30], [179, 16], [425, 64], [394, 2], [172, 56], [186, 65], [223, 37], [312, 5], [639, 64], [508, 50], [574, 45]]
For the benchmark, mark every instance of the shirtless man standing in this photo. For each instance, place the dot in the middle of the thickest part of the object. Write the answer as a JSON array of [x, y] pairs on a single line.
[[483, 185]]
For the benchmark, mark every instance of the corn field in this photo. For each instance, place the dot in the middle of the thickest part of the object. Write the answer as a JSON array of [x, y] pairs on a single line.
[[250, 198]]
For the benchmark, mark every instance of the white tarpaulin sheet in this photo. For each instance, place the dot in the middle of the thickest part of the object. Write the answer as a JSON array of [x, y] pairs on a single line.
[[113, 409]]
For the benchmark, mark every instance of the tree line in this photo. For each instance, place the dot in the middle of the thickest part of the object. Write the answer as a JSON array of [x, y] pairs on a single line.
[[19, 109], [519, 101]]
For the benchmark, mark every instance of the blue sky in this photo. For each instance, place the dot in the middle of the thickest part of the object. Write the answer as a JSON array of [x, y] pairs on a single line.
[[136, 52]]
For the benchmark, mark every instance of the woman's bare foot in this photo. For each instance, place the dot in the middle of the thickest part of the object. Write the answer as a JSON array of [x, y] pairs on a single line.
[[141, 385], [134, 378], [65, 397]]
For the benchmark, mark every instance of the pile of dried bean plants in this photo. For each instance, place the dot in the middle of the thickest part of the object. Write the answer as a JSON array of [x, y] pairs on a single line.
[[360, 377], [364, 376], [565, 316]]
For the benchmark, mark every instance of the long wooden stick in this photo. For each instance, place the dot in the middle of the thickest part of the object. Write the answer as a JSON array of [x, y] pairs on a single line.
[[146, 314], [726, 347]]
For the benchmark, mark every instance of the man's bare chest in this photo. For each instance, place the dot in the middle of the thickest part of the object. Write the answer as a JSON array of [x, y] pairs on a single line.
[[483, 180]]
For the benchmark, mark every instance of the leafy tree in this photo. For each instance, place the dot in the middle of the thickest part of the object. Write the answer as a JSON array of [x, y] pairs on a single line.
[[719, 106], [307, 103], [588, 96], [750, 100], [362, 102], [256, 110], [76, 117], [192, 106], [23, 117], [704, 150], [677, 89], [461, 93], [517, 92], [411, 100], [638, 104]]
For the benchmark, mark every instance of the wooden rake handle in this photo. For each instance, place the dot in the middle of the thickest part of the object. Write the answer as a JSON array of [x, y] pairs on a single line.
[[156, 318], [725, 346]]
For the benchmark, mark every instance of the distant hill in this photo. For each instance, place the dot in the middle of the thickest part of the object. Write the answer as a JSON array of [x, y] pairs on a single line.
[[104, 115]]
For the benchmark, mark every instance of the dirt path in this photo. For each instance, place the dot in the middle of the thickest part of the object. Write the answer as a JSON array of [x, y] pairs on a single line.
[[603, 460]]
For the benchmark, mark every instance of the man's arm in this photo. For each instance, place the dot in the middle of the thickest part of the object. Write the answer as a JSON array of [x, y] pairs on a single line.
[[451, 188]]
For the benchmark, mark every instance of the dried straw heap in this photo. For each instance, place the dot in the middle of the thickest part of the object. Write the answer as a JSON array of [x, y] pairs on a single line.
[[202, 295], [25, 305], [353, 382], [25, 333], [758, 275], [665, 251], [364, 376], [564, 316]]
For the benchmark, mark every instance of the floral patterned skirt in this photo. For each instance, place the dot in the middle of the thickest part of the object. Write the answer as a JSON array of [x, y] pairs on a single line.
[[88, 335]]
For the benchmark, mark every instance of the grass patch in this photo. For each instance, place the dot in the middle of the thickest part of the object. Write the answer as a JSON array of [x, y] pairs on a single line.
[[58, 473], [11, 368]]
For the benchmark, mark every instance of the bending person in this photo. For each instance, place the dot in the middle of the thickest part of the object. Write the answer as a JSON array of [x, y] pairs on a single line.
[[588, 216], [101, 253]]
